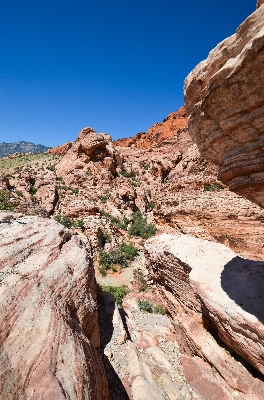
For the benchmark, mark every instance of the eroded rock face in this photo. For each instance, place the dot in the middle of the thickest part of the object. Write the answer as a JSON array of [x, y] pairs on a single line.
[[224, 98], [61, 150], [49, 330], [205, 284]]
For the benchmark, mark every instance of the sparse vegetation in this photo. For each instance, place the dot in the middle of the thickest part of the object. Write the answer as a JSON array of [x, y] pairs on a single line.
[[68, 222], [213, 187], [126, 174], [118, 256], [148, 307], [150, 205], [104, 199], [140, 227], [115, 221], [6, 202], [118, 292]]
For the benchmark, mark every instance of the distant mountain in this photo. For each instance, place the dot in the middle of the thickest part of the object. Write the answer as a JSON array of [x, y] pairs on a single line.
[[24, 147]]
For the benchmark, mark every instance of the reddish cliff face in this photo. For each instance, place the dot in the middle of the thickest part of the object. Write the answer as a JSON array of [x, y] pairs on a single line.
[[60, 150], [158, 132], [224, 97]]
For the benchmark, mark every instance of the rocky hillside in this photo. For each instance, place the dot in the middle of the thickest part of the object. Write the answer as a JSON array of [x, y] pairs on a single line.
[[21, 147]]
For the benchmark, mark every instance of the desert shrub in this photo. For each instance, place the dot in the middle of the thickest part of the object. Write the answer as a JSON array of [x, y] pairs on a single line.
[[145, 305], [104, 199], [60, 179], [19, 193], [140, 227], [213, 187], [118, 256], [62, 219], [5, 201], [148, 192], [32, 189], [107, 238], [158, 309], [129, 250], [150, 205], [118, 292], [75, 191], [79, 223], [51, 167], [115, 221], [126, 174]]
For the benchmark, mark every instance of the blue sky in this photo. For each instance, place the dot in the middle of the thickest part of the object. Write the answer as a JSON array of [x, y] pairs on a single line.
[[116, 65]]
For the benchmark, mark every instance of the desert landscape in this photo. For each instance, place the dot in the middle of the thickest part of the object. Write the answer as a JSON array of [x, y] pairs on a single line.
[[134, 268]]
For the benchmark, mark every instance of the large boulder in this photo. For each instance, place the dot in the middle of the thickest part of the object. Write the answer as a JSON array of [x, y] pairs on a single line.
[[211, 292], [224, 99], [48, 312]]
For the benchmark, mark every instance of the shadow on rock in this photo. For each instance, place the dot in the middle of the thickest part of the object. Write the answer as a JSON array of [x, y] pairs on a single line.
[[106, 309], [243, 281]]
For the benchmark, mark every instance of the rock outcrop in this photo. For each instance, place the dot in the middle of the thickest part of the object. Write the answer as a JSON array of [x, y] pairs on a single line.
[[49, 330], [207, 289], [91, 153], [224, 99], [158, 132], [60, 150]]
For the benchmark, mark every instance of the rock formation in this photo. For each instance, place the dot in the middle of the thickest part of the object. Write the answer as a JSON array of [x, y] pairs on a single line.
[[158, 132], [90, 150], [60, 150], [208, 288], [224, 98], [49, 330]]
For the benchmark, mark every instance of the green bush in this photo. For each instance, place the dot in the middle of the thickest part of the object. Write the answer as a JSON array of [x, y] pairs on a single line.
[[5, 201], [19, 193], [118, 256], [62, 219], [140, 227], [213, 187], [115, 221], [158, 309], [145, 305], [129, 250], [118, 292], [79, 223], [104, 199], [75, 191], [107, 238], [51, 167], [150, 205], [128, 174]]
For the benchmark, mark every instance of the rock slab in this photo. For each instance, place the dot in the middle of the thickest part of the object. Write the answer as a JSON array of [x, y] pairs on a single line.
[[48, 312]]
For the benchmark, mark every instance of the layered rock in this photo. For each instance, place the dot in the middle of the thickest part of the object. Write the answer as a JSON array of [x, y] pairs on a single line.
[[208, 288], [224, 98], [49, 330], [158, 132]]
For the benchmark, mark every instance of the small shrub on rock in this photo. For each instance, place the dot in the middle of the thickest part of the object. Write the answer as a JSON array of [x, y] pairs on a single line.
[[145, 305], [140, 227], [62, 219], [118, 292]]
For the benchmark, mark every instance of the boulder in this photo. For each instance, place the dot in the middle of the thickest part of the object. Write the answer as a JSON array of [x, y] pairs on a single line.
[[224, 99], [211, 292], [48, 312]]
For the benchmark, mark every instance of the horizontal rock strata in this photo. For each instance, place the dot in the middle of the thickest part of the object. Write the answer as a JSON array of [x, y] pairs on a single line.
[[206, 285], [224, 98], [48, 312]]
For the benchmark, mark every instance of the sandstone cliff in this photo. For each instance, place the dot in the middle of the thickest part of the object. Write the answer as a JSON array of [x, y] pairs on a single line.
[[224, 98]]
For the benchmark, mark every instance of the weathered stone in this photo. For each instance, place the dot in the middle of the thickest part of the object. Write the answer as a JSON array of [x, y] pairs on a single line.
[[205, 283], [224, 98], [49, 330]]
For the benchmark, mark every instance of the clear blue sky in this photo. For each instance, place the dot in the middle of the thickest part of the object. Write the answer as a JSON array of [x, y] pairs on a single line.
[[115, 65]]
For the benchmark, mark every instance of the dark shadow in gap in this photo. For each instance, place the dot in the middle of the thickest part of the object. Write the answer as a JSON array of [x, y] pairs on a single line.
[[116, 388]]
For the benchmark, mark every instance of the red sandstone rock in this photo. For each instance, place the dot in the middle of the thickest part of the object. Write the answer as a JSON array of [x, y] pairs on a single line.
[[49, 330], [158, 132], [224, 98], [61, 150]]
